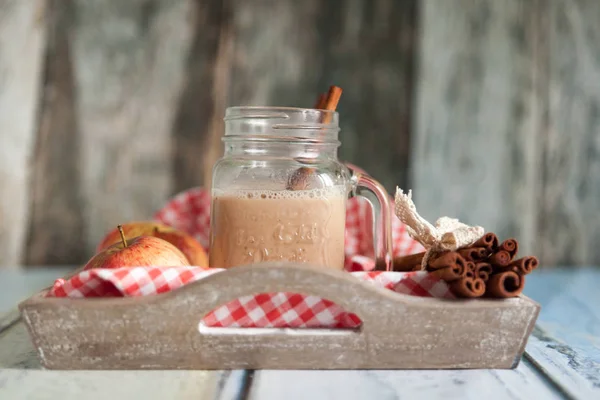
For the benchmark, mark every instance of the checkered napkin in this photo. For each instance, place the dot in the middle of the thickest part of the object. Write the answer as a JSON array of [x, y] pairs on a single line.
[[190, 212], [266, 310]]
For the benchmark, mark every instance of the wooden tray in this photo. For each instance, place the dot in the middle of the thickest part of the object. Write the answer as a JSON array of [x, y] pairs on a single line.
[[164, 332]]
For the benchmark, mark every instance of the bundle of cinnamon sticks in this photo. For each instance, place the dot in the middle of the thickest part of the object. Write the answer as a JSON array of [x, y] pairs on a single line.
[[486, 268]]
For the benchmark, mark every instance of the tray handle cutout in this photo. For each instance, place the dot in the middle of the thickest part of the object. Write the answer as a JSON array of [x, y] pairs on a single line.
[[352, 295], [224, 331]]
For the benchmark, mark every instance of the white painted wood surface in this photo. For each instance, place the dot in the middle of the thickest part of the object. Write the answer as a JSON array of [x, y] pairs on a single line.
[[566, 342], [159, 385], [564, 366], [22, 37], [21, 377], [522, 383]]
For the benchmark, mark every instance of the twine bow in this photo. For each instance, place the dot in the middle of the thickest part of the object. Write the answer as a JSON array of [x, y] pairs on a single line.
[[448, 234]]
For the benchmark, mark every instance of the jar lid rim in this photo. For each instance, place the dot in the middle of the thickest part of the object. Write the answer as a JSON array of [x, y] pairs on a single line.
[[295, 114], [284, 122], [275, 108]]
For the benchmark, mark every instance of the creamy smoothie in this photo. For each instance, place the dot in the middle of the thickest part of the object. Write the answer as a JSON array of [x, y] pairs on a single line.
[[305, 226]]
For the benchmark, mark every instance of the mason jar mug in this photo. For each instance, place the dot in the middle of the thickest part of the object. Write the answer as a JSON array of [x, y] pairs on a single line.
[[279, 192]]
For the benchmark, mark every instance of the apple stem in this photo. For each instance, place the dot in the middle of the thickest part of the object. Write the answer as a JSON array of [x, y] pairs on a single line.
[[122, 235]]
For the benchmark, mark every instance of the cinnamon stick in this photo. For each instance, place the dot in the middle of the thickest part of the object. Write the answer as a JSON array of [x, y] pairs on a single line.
[[333, 98], [468, 287], [449, 266], [474, 253], [478, 251], [511, 246], [449, 274], [503, 268], [402, 263], [524, 265], [470, 269], [489, 241], [500, 258], [321, 101], [483, 271], [299, 178], [505, 284], [447, 259]]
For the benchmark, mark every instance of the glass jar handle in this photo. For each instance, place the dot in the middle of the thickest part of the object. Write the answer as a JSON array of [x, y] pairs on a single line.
[[375, 193]]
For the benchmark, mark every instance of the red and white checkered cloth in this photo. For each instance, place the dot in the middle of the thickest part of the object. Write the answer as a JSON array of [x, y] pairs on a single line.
[[267, 310], [190, 212]]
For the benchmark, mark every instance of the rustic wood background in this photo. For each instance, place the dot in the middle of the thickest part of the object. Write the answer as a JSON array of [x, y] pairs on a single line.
[[489, 110]]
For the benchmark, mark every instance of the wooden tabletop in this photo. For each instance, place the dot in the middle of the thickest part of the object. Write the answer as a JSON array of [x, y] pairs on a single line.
[[562, 359]]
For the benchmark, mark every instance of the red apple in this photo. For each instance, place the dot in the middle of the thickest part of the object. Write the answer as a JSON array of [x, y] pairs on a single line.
[[189, 246], [142, 251]]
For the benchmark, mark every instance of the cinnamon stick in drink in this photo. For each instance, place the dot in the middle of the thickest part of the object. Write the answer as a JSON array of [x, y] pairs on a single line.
[[489, 241], [299, 178], [505, 284], [321, 101], [332, 100]]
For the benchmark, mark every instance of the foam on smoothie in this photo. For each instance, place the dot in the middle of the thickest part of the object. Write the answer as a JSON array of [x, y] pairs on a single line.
[[322, 193]]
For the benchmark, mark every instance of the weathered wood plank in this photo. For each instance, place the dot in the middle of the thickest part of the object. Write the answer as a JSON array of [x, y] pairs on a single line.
[[505, 102], [232, 385], [522, 383], [22, 37], [365, 47], [35, 384], [56, 219], [21, 376], [198, 125], [566, 343], [569, 218], [567, 367], [17, 351], [129, 61], [478, 113], [286, 48], [371, 51], [8, 319]]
